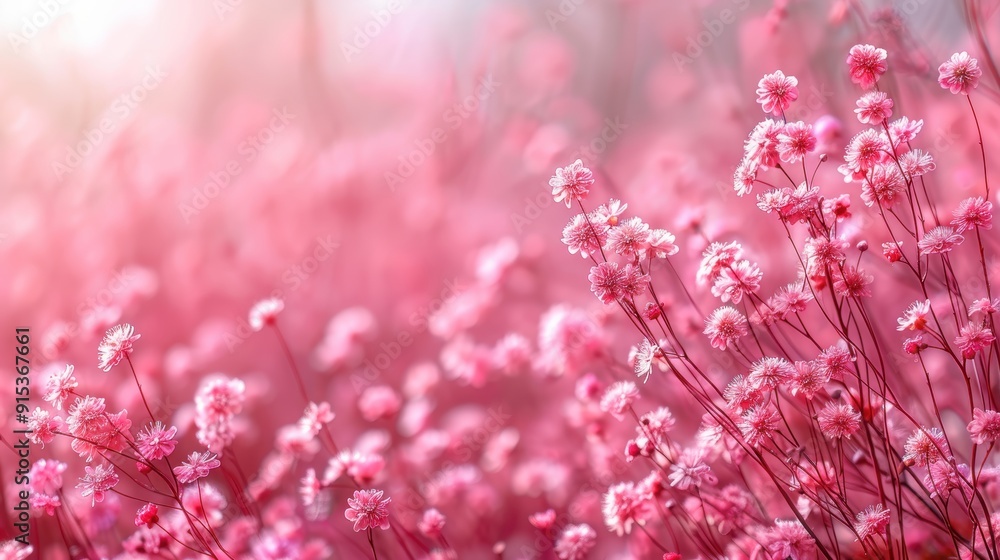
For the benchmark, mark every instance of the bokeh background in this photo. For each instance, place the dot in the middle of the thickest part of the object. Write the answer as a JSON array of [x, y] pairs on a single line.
[[167, 164]]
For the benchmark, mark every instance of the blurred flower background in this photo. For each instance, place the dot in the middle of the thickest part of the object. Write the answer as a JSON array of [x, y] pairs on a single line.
[[382, 167]]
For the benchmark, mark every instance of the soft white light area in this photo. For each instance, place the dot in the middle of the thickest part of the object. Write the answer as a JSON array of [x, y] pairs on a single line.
[[95, 21], [79, 25]]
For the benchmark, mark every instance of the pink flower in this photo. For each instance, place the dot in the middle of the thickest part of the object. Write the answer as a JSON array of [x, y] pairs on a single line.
[[960, 74], [853, 283], [315, 417], [635, 449], [543, 520], [204, 502], [362, 467], [984, 306], [789, 539], [619, 398], [737, 280], [768, 373], [741, 395], [775, 92], [939, 240], [217, 402], [903, 130], [835, 362], [808, 380], [147, 515], [653, 311], [872, 521], [838, 421], [575, 542], [379, 401], [45, 503], [625, 504], [972, 339], [606, 281], [790, 299], [635, 283], [724, 326], [432, 523], [43, 426], [197, 466], [761, 147], [916, 163], [571, 183], [759, 424], [891, 251], [731, 508], [717, 257], [46, 476], [610, 213], [116, 436], [691, 469], [915, 316], [795, 141], [368, 510], [345, 334], [97, 482], [657, 423], [512, 354], [744, 177], [773, 201], [219, 397], [865, 150], [828, 131], [629, 238], [265, 312], [59, 386], [661, 244], [824, 252], [973, 212], [914, 345], [585, 235], [925, 446], [116, 346], [610, 283], [874, 107], [309, 487], [94, 429], [943, 478], [866, 63], [985, 426], [644, 357], [883, 186], [567, 339], [156, 441]]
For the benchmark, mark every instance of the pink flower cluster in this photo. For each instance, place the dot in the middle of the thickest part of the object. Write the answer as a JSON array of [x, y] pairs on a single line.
[[815, 416]]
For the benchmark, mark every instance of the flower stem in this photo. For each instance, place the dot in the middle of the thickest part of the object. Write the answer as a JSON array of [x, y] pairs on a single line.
[[371, 543]]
